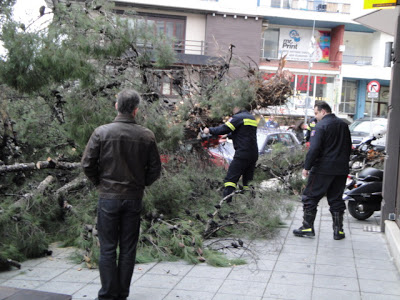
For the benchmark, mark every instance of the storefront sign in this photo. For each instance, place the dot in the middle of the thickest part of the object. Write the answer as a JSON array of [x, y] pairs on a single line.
[[379, 4], [296, 43]]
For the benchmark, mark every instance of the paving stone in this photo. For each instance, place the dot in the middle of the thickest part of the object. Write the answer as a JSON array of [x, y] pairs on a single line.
[[209, 272], [58, 262], [292, 278], [158, 281], [33, 262], [336, 251], [302, 268], [335, 282], [243, 273], [37, 273], [146, 293], [188, 295], [221, 296], [61, 287], [23, 284], [334, 294], [373, 274], [310, 249], [324, 259], [380, 287], [297, 257], [240, 287], [199, 284], [340, 271], [78, 275], [262, 265], [287, 291], [170, 268], [375, 264], [88, 292], [5, 275], [372, 296]]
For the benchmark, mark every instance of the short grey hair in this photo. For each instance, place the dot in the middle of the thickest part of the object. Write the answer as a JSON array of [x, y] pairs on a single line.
[[128, 101]]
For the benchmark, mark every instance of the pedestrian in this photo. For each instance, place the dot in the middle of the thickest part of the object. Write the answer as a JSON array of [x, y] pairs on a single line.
[[242, 129], [121, 158], [326, 166], [298, 130], [271, 123]]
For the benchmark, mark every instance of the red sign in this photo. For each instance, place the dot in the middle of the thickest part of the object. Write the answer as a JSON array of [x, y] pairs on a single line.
[[373, 86]]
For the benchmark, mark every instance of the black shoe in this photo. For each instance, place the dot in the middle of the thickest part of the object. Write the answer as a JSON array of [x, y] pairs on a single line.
[[337, 218], [304, 232], [307, 230]]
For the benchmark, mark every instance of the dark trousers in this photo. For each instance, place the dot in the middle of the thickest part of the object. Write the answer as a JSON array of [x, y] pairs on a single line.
[[237, 168], [319, 185], [118, 223]]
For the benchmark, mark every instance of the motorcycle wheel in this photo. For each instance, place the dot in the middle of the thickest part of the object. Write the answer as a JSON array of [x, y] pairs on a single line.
[[352, 206]]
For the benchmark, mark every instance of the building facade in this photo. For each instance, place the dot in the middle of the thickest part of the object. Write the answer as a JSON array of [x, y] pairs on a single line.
[[332, 57]]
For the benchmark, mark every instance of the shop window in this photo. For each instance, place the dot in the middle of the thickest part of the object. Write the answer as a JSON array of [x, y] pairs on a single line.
[[349, 97], [270, 43]]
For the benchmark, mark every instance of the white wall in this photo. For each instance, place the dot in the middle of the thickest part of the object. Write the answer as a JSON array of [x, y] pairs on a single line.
[[195, 31]]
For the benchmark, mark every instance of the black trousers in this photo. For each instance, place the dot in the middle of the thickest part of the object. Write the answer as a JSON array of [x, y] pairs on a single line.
[[118, 223], [319, 185], [237, 168]]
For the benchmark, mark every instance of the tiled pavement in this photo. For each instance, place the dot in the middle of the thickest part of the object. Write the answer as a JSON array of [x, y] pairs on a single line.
[[288, 267]]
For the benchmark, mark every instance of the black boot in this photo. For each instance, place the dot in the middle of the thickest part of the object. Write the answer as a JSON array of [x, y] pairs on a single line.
[[337, 218], [307, 230]]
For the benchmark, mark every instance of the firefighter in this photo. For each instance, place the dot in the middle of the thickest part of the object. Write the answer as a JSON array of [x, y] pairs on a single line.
[[242, 129], [326, 166]]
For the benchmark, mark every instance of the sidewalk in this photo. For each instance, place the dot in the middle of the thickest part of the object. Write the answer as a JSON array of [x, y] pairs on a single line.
[[288, 267]]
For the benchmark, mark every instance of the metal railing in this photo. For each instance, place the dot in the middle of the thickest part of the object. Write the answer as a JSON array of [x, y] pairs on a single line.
[[357, 60], [190, 47], [316, 5]]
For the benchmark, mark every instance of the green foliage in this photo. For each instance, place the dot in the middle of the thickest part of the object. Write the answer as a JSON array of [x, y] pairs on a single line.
[[286, 165], [238, 93]]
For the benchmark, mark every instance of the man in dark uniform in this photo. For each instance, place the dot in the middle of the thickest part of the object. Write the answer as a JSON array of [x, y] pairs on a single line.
[[327, 166], [310, 130], [242, 129]]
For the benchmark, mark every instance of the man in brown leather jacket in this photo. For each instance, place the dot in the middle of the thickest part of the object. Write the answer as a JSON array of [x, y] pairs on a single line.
[[121, 158]]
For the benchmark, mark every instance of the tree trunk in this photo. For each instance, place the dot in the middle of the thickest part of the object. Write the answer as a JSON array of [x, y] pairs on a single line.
[[39, 191]]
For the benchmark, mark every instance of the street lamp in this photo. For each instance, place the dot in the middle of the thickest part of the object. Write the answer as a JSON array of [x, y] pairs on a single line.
[[310, 52]]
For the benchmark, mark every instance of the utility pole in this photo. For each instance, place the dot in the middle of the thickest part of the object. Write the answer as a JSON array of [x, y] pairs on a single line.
[[311, 52]]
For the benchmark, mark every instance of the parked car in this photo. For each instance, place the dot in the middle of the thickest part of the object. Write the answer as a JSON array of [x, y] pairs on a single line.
[[224, 152], [364, 127]]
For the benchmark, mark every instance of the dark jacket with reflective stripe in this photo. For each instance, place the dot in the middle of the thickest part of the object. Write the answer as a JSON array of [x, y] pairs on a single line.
[[121, 158], [310, 128], [243, 131], [330, 147]]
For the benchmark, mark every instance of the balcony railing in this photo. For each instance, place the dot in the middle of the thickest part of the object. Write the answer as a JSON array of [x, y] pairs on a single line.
[[190, 47], [357, 60], [317, 5]]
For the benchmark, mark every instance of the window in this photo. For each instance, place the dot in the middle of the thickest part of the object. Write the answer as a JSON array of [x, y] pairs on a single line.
[[349, 96], [170, 26], [270, 43]]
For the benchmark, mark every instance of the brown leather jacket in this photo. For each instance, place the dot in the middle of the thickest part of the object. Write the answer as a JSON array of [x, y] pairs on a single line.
[[121, 158]]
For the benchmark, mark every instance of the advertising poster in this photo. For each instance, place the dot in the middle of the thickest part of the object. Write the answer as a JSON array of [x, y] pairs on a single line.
[[297, 44]]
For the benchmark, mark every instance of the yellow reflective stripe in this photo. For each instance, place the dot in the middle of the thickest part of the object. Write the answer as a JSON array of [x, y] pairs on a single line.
[[226, 184], [308, 127], [246, 188], [230, 125], [313, 124], [250, 122], [341, 232], [308, 229]]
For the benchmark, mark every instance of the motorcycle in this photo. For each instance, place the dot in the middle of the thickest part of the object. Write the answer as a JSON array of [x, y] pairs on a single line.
[[364, 193], [366, 155]]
